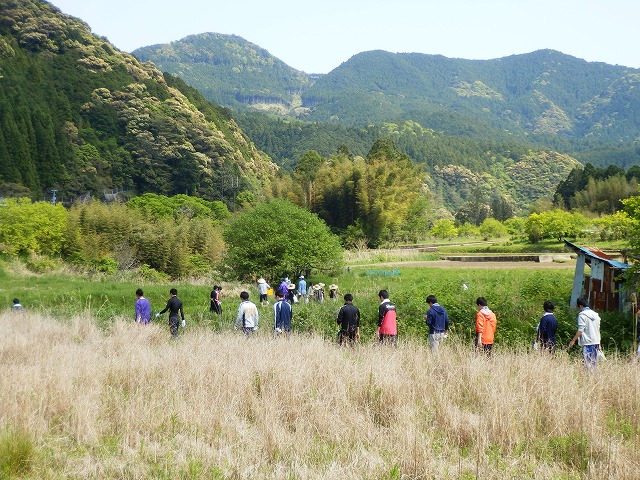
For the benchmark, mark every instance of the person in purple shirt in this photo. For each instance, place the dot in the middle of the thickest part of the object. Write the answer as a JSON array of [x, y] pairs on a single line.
[[143, 308]]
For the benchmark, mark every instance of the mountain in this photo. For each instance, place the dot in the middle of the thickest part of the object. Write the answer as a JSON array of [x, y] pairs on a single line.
[[545, 96], [229, 70], [77, 115]]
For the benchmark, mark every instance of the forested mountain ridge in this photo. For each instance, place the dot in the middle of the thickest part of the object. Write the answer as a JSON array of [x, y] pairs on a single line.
[[229, 70], [536, 95], [77, 115]]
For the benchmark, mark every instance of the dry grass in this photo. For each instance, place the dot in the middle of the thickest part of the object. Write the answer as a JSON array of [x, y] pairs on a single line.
[[131, 403]]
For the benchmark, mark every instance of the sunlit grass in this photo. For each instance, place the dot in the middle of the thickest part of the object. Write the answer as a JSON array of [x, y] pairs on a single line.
[[128, 402]]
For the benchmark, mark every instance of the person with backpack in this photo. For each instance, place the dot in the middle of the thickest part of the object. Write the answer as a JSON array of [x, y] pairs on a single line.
[[349, 321]]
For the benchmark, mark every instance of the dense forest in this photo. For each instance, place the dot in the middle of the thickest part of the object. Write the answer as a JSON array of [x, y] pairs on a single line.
[[78, 116], [544, 98]]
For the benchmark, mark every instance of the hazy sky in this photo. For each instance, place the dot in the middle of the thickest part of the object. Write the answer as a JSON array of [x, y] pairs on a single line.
[[318, 36]]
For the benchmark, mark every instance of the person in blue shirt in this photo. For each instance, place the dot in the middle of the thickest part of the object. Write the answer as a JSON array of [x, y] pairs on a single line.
[[143, 308], [302, 289], [282, 315], [437, 321], [547, 327]]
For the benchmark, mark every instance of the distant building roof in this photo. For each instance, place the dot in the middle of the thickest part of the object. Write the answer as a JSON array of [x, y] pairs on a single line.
[[592, 253]]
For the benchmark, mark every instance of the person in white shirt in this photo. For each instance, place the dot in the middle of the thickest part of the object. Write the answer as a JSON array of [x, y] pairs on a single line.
[[588, 333], [247, 316]]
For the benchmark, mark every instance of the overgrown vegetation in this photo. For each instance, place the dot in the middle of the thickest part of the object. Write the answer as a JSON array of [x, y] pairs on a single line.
[[234, 408]]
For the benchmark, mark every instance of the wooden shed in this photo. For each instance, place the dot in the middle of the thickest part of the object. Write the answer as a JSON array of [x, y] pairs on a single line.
[[602, 287]]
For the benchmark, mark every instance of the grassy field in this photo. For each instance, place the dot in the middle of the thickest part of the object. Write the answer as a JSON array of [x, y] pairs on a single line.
[[80, 401], [516, 294]]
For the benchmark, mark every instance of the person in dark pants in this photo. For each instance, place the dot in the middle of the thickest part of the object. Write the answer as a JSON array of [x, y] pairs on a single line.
[[349, 321], [282, 315], [387, 322], [216, 306], [174, 306], [547, 327]]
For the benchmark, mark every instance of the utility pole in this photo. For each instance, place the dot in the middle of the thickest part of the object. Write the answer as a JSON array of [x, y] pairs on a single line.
[[53, 196]]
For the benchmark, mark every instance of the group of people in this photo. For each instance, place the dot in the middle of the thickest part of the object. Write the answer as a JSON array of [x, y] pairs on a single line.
[[174, 307], [348, 319], [296, 293], [437, 320]]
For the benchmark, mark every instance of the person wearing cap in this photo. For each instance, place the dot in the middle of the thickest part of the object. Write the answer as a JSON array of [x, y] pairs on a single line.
[[349, 321], [319, 289], [333, 292], [438, 322], [302, 289], [290, 293], [263, 287], [588, 334], [282, 315], [247, 315], [486, 324], [547, 327], [387, 320]]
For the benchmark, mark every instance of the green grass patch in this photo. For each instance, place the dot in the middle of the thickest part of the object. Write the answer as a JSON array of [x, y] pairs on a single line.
[[17, 453]]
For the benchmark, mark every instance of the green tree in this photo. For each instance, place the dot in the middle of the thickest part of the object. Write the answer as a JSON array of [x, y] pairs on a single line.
[[278, 238], [444, 228], [25, 226], [306, 171], [492, 228]]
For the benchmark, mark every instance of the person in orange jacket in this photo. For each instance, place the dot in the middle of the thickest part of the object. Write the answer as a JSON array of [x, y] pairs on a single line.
[[486, 323]]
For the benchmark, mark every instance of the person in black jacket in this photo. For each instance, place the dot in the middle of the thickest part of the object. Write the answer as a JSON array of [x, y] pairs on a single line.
[[349, 321], [174, 306]]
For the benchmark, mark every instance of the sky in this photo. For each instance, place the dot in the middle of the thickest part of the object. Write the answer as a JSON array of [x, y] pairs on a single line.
[[317, 37]]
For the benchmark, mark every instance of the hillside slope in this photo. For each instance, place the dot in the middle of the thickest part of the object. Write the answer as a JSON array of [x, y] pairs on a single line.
[[77, 115], [545, 95]]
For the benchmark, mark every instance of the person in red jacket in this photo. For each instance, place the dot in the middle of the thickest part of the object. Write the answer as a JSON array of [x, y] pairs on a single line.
[[387, 326], [486, 323]]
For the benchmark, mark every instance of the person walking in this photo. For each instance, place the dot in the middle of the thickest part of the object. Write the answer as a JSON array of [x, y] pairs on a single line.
[[142, 308], [216, 304], [282, 315], [247, 315], [302, 289], [284, 285], [486, 324], [263, 288], [547, 327], [174, 306], [588, 333], [349, 321], [387, 320], [438, 322]]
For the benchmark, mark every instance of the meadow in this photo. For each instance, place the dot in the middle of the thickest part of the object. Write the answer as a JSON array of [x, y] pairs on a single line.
[[87, 393], [80, 401]]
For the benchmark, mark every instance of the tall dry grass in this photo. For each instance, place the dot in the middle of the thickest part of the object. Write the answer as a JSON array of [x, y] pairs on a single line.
[[132, 403]]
